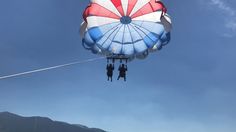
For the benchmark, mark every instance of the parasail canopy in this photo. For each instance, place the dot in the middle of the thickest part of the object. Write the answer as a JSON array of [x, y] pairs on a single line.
[[132, 28]]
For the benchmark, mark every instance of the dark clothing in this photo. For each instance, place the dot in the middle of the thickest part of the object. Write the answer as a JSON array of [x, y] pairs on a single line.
[[110, 69], [122, 69]]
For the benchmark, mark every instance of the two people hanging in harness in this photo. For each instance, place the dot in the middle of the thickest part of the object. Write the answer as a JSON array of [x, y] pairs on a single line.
[[122, 69]]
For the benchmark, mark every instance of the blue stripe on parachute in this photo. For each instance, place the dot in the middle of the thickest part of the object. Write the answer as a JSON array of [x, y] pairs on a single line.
[[165, 38], [88, 40], [148, 41], [149, 38], [95, 33]]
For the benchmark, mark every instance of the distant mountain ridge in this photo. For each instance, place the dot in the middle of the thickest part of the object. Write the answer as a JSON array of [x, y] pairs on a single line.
[[10, 122]]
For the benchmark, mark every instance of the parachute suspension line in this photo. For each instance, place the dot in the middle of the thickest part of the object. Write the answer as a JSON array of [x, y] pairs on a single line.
[[50, 68]]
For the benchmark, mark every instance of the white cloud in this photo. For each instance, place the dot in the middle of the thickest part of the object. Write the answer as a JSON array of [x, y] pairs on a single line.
[[222, 4], [231, 24], [230, 15]]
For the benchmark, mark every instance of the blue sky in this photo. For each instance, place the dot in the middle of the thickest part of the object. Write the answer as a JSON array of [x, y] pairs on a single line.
[[189, 86]]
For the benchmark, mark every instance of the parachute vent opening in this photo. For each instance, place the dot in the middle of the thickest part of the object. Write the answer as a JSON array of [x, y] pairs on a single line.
[[125, 20]]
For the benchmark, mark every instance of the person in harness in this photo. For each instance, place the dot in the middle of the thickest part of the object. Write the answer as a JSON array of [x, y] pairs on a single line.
[[110, 69], [122, 69]]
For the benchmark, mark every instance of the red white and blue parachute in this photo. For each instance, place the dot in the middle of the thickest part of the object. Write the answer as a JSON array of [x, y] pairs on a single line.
[[132, 28]]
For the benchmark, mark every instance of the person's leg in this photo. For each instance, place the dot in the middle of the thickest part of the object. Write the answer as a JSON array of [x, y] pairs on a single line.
[[125, 78]]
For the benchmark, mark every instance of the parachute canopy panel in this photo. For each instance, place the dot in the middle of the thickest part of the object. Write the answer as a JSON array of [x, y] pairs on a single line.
[[126, 27]]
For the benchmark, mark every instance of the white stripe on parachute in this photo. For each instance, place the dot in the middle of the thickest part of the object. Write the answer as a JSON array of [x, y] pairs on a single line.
[[94, 21], [125, 5], [151, 17]]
